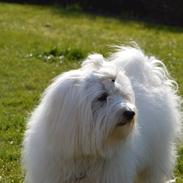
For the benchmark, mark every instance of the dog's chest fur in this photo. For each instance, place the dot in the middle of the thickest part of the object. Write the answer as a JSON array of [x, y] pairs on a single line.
[[109, 171], [103, 177]]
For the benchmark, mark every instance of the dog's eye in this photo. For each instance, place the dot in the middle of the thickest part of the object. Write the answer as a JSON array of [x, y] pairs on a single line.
[[113, 80], [103, 97]]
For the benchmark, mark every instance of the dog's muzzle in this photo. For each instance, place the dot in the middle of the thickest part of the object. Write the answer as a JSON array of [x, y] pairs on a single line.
[[127, 117]]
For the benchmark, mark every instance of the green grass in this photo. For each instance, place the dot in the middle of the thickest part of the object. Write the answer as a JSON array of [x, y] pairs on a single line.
[[39, 42]]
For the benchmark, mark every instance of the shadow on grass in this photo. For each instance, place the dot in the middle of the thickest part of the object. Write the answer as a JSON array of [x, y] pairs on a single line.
[[127, 16], [76, 10]]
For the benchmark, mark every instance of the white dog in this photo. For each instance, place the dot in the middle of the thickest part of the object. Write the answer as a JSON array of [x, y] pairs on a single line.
[[114, 120]]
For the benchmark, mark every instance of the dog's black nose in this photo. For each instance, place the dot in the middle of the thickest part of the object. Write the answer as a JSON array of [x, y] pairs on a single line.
[[129, 115]]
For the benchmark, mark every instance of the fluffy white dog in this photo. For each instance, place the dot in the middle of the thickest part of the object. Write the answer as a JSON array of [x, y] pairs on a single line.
[[114, 120]]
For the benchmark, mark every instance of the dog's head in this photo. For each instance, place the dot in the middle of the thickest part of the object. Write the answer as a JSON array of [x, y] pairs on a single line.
[[91, 109]]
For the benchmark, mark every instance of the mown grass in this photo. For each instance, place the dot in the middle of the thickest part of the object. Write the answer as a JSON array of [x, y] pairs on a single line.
[[39, 42]]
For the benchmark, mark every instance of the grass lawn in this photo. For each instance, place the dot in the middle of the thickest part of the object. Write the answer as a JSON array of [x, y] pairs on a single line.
[[37, 43]]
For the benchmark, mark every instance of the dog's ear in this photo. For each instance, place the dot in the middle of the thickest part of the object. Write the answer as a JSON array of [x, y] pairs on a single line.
[[62, 91], [93, 62]]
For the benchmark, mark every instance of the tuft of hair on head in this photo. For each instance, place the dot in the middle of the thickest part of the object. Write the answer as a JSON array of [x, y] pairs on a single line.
[[93, 62], [127, 52], [132, 46]]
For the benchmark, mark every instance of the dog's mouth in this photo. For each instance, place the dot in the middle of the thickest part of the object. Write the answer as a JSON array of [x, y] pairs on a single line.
[[122, 123], [125, 122], [121, 131]]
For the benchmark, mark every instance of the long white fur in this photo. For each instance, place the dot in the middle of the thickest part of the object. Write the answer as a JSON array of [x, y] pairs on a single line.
[[64, 138]]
